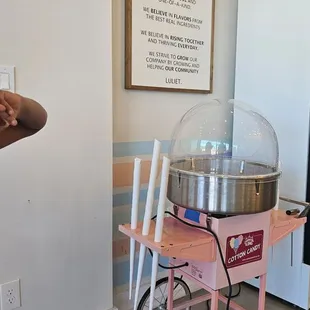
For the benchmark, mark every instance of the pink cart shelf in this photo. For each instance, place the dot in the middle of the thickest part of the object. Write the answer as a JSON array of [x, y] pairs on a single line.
[[282, 225], [178, 240], [184, 242]]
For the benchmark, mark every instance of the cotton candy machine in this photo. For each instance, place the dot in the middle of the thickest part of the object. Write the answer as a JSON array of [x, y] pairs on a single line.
[[224, 160], [222, 175]]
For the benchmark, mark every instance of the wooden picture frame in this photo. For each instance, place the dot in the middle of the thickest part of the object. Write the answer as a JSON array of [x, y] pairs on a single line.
[[132, 65]]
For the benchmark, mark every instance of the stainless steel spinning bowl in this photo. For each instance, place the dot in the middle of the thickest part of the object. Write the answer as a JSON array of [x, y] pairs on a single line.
[[223, 186]]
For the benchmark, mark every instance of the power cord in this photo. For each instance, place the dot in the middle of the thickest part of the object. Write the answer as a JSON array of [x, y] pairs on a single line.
[[166, 267], [229, 296], [171, 267], [233, 296], [238, 293]]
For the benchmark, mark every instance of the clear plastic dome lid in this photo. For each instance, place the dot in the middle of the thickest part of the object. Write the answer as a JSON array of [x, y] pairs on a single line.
[[228, 131]]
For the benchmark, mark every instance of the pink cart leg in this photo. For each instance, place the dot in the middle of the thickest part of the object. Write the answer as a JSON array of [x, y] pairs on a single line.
[[170, 290], [214, 300], [262, 292]]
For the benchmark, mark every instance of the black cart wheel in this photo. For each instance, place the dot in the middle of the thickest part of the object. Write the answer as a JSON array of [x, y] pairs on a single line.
[[181, 293]]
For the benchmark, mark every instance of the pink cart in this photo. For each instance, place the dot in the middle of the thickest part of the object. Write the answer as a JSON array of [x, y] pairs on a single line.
[[223, 167], [195, 248]]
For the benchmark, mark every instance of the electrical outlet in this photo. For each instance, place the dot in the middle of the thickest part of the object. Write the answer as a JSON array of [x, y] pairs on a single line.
[[10, 295]]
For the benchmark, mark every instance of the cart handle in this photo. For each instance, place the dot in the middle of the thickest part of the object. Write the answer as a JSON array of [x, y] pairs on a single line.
[[296, 202], [304, 213]]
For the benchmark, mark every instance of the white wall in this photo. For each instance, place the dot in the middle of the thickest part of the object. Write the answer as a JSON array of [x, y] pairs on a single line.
[[55, 213], [273, 75], [137, 114]]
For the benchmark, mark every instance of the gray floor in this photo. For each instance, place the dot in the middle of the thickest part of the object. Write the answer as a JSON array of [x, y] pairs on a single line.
[[248, 299]]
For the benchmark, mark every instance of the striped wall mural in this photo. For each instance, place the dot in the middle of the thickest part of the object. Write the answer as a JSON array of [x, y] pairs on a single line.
[[124, 154]]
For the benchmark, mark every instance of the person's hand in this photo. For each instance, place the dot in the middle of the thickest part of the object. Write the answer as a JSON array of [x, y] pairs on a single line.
[[10, 105], [3, 124]]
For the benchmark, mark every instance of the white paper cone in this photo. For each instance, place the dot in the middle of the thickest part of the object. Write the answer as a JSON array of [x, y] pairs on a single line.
[[132, 262], [159, 223], [151, 189], [135, 193], [162, 200], [134, 217], [139, 273], [153, 278]]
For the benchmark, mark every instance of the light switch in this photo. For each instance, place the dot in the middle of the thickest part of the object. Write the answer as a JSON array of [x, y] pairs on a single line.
[[4, 81], [7, 78]]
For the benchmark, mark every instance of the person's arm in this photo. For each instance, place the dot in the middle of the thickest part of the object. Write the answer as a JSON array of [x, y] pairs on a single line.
[[25, 118]]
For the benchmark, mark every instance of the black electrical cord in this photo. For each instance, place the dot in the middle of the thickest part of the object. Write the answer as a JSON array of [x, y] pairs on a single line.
[[233, 296], [229, 297], [171, 267], [238, 293]]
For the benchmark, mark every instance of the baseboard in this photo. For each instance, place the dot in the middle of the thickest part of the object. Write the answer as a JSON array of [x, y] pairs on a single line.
[[122, 301]]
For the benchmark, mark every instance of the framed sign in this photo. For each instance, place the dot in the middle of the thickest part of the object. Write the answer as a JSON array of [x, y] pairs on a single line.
[[169, 45]]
